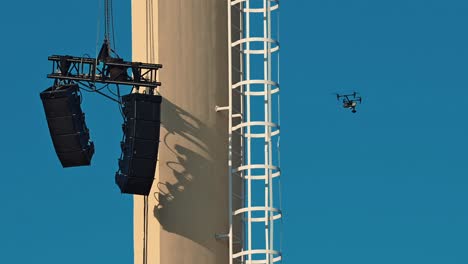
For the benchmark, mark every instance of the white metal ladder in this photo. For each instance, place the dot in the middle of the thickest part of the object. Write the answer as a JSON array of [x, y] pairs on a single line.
[[254, 132]]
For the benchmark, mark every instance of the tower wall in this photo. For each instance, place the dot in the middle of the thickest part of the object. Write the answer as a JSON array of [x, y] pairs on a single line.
[[188, 203]]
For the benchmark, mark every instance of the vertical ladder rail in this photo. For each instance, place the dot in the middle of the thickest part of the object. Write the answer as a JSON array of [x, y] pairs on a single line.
[[254, 88], [230, 233]]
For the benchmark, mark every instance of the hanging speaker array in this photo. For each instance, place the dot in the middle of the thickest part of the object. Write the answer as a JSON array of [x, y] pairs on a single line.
[[67, 126], [142, 114], [141, 142]]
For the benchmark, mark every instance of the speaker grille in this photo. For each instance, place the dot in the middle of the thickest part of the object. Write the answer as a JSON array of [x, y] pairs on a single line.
[[141, 142], [67, 127]]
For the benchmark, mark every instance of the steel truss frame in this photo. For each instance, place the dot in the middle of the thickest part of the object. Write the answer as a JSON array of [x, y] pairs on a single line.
[[111, 71]]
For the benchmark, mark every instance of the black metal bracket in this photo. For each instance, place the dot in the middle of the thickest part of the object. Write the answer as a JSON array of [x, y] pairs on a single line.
[[109, 71]]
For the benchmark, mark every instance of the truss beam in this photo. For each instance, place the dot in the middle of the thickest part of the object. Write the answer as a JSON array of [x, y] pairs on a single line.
[[111, 71]]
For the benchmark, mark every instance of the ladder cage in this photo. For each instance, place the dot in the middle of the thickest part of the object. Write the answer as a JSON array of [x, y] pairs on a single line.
[[254, 132]]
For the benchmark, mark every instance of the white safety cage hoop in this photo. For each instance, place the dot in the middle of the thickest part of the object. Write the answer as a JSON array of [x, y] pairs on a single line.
[[255, 212]]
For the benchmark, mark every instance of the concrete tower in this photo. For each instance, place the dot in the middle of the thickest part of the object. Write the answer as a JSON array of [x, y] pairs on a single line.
[[188, 204]]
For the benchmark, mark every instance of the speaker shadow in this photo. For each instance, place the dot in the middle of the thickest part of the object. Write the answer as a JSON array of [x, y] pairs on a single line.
[[189, 176]]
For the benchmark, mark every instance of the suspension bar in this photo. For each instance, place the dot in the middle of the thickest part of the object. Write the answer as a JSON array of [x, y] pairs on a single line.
[[110, 71]]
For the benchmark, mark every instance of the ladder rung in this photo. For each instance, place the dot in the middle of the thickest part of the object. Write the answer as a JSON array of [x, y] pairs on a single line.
[[236, 27], [237, 116], [237, 91], [237, 69], [236, 7], [238, 196], [239, 49]]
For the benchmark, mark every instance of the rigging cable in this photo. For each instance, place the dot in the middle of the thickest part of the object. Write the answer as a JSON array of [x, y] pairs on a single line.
[[111, 13], [109, 31], [107, 20], [120, 100], [150, 42], [98, 26], [93, 90], [149, 58], [145, 230], [109, 27]]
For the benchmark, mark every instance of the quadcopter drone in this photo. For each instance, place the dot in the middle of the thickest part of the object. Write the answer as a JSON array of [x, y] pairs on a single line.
[[350, 100]]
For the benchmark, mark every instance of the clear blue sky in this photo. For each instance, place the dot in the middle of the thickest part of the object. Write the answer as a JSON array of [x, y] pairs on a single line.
[[385, 185]]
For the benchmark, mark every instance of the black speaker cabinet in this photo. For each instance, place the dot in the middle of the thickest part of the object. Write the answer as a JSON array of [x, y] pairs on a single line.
[[67, 125], [141, 142]]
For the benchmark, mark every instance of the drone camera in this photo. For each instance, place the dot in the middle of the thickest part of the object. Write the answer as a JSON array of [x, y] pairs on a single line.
[[350, 100]]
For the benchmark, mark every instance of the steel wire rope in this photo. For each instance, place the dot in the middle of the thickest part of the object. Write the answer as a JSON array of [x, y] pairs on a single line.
[[153, 60], [98, 27], [111, 13], [90, 86], [148, 29], [109, 30], [145, 230], [151, 17], [107, 20], [93, 87], [120, 100], [112, 29], [145, 202], [150, 42]]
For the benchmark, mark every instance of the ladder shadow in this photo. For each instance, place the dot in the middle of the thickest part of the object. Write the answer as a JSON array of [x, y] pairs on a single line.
[[187, 177]]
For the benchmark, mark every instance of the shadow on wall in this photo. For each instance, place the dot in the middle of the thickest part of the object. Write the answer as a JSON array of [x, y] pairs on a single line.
[[189, 177]]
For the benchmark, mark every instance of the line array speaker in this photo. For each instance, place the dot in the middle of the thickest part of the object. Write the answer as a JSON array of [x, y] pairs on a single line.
[[141, 142], [66, 121]]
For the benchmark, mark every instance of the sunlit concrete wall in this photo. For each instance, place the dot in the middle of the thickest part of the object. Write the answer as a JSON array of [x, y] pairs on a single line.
[[188, 204]]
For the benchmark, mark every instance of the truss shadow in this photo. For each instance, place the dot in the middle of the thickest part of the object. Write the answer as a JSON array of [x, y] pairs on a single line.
[[190, 175]]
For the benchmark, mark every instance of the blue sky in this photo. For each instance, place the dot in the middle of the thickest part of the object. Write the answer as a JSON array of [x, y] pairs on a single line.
[[385, 185], [50, 214], [388, 184]]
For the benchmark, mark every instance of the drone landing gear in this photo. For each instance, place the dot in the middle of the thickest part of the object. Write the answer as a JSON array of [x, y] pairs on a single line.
[[350, 101]]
